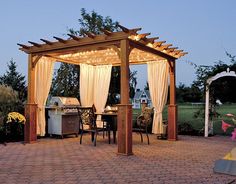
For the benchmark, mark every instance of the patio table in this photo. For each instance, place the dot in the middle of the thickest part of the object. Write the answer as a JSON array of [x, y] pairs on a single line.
[[111, 119]]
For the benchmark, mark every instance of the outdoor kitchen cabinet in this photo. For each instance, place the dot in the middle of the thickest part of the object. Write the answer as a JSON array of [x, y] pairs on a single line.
[[63, 118], [63, 124]]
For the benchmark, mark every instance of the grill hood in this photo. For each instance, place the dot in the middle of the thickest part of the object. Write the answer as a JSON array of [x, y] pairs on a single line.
[[57, 101]]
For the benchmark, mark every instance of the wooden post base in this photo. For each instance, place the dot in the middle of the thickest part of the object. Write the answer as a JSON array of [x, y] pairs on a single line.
[[172, 123], [30, 125], [124, 126]]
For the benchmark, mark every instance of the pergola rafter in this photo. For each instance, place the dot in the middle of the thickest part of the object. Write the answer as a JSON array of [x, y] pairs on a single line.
[[35, 44], [158, 44], [74, 37], [23, 46], [120, 48], [46, 41], [60, 39], [106, 32]]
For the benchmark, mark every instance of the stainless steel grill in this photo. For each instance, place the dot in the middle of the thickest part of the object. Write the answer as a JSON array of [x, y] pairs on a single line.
[[64, 105], [63, 116]]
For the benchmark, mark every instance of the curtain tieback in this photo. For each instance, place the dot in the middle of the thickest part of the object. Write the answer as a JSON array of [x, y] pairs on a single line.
[[41, 107], [157, 112]]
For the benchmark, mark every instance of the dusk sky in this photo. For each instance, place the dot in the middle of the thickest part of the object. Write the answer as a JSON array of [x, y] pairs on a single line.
[[203, 28]]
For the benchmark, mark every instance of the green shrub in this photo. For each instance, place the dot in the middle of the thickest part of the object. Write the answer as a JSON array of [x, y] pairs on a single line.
[[187, 129], [10, 102]]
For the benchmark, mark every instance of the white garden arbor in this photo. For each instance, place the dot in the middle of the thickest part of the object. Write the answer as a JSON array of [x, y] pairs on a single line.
[[208, 123]]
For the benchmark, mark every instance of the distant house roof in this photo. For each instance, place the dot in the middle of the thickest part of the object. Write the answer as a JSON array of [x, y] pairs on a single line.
[[138, 94], [148, 94]]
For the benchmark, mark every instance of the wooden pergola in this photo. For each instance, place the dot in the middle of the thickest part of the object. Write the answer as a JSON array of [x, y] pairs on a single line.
[[120, 48]]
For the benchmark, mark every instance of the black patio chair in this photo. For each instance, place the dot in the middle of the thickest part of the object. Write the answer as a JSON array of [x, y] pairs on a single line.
[[87, 117], [143, 122]]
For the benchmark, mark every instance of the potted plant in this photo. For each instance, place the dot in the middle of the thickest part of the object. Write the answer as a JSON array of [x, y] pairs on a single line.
[[14, 126]]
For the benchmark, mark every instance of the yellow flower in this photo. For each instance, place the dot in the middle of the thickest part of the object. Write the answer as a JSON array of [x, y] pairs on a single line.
[[15, 116]]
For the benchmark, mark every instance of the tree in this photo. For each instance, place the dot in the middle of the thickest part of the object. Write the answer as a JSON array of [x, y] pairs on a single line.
[[93, 23], [15, 80], [66, 81], [8, 100], [114, 90], [188, 94], [132, 83]]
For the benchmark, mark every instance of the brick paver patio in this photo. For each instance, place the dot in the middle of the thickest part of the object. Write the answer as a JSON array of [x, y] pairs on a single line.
[[50, 160]]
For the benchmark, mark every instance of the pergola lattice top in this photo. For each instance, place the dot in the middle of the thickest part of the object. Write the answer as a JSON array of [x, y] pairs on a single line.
[[104, 48]]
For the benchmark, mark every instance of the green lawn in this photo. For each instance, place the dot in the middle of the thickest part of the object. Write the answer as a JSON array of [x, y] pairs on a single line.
[[186, 115]]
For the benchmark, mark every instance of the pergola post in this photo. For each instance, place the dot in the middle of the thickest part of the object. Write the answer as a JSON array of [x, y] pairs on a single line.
[[31, 108], [207, 112], [124, 109], [172, 108]]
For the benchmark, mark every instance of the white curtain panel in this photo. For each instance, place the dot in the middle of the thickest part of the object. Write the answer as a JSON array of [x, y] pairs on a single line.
[[44, 72], [86, 84], [158, 72], [102, 78]]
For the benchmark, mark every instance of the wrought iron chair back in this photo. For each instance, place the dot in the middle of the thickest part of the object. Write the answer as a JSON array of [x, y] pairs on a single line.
[[145, 118], [143, 121], [87, 117]]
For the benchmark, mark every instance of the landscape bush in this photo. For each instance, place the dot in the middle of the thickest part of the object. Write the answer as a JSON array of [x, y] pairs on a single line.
[[9, 102]]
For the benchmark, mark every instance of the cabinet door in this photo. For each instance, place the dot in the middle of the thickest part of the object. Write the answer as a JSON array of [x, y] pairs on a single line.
[[54, 124], [70, 124]]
